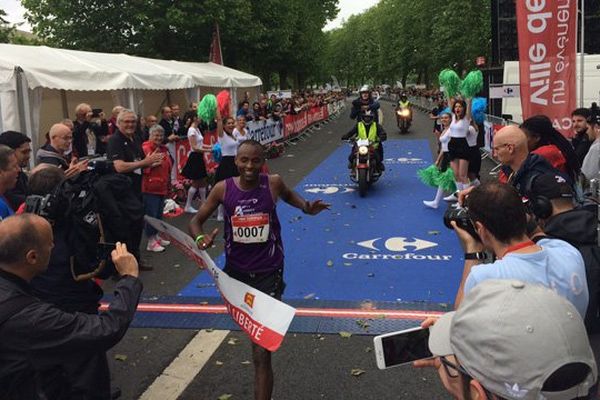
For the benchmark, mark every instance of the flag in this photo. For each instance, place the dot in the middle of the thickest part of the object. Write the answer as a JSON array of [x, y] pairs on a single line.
[[215, 55], [547, 33]]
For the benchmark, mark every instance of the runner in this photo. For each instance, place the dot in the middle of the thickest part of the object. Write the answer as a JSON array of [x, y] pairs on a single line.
[[253, 245]]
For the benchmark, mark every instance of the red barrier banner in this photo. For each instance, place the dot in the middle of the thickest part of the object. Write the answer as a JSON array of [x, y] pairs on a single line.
[[547, 65]]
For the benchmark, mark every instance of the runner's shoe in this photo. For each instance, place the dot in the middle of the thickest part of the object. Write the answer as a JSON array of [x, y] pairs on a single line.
[[190, 210]]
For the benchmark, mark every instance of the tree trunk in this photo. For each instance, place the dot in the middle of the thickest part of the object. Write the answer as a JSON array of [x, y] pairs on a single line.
[[283, 83]]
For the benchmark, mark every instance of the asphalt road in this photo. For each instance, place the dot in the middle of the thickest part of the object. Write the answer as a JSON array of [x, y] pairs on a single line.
[[306, 366]]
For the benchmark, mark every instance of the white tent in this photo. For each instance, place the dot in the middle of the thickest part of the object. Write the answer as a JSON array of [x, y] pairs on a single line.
[[41, 85]]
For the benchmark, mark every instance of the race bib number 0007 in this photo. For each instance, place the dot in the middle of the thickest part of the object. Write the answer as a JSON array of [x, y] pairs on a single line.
[[250, 228]]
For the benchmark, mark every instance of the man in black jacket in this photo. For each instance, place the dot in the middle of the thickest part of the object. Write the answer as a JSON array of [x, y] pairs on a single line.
[[551, 202], [519, 166], [46, 353]]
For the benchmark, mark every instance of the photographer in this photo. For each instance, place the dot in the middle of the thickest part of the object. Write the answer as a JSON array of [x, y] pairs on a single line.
[[497, 214], [90, 131], [56, 284], [46, 353], [551, 203]]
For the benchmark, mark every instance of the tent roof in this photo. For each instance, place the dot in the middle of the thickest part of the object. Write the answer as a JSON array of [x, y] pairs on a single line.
[[82, 70]]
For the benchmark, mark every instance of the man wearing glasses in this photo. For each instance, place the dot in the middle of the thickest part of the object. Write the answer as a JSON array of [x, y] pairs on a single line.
[[513, 340], [518, 165], [54, 152], [125, 150]]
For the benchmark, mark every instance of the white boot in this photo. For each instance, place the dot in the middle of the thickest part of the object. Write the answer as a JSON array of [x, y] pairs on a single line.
[[188, 203], [435, 202], [202, 194], [475, 182]]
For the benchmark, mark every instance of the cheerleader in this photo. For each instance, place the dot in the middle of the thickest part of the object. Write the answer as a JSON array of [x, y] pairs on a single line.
[[195, 169], [458, 147], [229, 144], [438, 175]]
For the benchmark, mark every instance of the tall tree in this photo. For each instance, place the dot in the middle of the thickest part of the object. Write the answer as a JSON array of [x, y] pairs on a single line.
[[264, 37], [6, 30]]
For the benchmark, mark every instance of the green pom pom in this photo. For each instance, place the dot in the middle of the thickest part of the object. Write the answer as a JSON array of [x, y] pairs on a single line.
[[207, 109], [429, 175], [445, 180], [450, 81], [472, 84]]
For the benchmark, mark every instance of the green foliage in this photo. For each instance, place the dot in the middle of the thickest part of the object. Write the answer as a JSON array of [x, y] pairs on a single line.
[[6, 31], [265, 37], [401, 38]]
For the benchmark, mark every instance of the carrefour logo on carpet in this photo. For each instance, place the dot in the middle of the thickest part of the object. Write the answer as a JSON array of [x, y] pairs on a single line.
[[397, 249]]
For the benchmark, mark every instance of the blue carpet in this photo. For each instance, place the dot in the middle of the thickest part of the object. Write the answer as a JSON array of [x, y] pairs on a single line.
[[384, 247]]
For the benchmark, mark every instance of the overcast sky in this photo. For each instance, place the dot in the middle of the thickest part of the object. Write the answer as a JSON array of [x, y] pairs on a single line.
[[348, 8], [15, 11]]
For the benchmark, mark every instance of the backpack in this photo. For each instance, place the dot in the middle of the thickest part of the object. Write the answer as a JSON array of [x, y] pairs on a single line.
[[85, 233]]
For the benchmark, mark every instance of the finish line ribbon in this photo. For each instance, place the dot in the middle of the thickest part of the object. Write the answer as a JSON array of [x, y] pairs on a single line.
[[264, 319]]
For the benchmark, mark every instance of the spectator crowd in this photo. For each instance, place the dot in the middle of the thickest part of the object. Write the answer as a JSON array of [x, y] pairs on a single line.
[[527, 305]]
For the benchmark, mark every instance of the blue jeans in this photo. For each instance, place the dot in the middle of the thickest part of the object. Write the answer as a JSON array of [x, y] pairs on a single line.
[[153, 206]]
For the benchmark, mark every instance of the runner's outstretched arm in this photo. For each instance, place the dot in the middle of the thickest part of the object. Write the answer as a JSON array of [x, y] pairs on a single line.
[[195, 227], [294, 199]]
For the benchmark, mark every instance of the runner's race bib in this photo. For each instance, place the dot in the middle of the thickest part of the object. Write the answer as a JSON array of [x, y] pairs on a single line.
[[250, 228]]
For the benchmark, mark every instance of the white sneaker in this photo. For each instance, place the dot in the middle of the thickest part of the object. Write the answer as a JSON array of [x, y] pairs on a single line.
[[154, 246], [430, 204], [162, 241], [190, 210], [452, 197]]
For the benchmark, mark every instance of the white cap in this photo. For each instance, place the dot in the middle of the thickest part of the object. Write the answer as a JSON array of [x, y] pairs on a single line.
[[511, 336]]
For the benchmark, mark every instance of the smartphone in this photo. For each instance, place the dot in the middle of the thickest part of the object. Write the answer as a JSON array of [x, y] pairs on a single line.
[[403, 347]]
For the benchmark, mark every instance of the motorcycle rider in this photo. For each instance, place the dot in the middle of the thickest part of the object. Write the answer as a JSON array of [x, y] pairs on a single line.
[[404, 103], [365, 102], [368, 128]]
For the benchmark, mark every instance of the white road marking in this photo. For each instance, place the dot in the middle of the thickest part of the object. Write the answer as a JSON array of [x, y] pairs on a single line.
[[184, 368]]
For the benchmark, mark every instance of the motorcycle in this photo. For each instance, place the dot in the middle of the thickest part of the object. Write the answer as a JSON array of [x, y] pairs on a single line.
[[403, 118], [364, 166]]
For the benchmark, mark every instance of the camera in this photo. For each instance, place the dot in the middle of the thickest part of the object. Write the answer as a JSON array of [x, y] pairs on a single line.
[[463, 220], [96, 112], [101, 166], [47, 206]]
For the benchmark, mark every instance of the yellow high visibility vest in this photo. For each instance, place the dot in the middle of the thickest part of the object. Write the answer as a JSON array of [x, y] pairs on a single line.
[[372, 136]]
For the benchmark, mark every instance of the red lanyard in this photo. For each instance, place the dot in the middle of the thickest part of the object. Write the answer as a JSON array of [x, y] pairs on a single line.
[[518, 246]]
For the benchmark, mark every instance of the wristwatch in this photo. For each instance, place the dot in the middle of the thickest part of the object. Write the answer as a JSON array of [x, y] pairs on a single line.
[[480, 255]]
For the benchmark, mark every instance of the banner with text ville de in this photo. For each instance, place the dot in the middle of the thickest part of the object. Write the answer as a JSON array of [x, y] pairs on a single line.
[[547, 32], [264, 319]]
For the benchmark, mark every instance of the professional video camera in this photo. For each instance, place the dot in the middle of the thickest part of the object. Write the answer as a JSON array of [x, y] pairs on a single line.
[[73, 205], [463, 220]]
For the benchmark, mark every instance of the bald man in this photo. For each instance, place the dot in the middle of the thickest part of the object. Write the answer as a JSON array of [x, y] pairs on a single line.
[[54, 152], [519, 167], [45, 352]]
